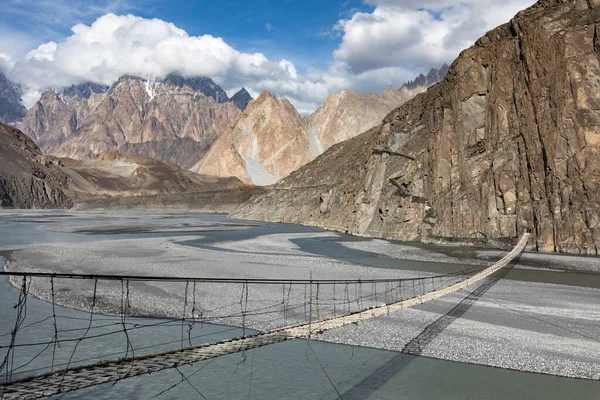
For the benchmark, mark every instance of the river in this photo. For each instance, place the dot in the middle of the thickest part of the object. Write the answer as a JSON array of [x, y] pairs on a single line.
[[284, 370]]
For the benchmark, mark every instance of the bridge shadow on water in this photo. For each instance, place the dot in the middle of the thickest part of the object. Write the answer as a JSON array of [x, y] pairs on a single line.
[[379, 377]]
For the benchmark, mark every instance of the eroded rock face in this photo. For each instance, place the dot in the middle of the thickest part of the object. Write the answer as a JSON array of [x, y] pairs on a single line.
[[133, 115], [28, 179], [507, 142], [347, 114]]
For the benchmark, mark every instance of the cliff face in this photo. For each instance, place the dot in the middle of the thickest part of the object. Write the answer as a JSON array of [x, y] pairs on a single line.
[[157, 119], [507, 142], [28, 179], [347, 114]]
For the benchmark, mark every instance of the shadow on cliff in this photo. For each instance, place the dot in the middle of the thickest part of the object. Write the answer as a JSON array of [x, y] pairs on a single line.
[[388, 371]]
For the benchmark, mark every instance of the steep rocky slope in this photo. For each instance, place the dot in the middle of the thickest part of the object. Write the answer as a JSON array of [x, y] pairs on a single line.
[[507, 142], [346, 114], [28, 179], [11, 105], [156, 118], [57, 115]]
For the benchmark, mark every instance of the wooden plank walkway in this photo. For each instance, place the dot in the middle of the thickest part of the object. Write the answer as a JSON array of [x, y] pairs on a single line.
[[110, 371]]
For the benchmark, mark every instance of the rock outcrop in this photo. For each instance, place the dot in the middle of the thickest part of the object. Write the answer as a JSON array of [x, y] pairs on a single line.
[[11, 106], [155, 118], [28, 179], [507, 142]]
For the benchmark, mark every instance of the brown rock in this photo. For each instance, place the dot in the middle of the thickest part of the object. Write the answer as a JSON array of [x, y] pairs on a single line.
[[134, 116], [119, 175], [28, 179]]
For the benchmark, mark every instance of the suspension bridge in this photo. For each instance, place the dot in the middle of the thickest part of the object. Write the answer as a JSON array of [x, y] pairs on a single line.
[[304, 308]]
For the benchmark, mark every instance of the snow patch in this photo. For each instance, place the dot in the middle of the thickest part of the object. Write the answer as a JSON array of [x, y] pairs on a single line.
[[149, 89]]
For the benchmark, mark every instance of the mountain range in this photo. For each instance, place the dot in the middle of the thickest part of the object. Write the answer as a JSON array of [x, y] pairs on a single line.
[[192, 123], [175, 119], [270, 139], [507, 142], [30, 179]]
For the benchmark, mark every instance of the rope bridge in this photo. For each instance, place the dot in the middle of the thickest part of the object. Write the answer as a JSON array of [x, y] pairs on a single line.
[[291, 308]]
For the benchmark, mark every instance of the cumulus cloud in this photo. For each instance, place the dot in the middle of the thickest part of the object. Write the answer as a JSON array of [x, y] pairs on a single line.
[[116, 45], [418, 34], [390, 45]]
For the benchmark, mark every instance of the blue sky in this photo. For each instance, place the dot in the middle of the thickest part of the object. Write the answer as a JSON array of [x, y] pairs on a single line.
[[299, 49], [297, 30]]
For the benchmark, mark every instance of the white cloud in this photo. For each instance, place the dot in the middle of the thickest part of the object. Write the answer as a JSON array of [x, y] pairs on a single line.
[[116, 45], [5, 62], [418, 34], [390, 45], [268, 27]]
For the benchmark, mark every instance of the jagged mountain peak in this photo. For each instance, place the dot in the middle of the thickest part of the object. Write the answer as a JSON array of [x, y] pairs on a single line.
[[241, 99], [84, 90], [433, 76], [199, 83], [11, 105], [168, 119]]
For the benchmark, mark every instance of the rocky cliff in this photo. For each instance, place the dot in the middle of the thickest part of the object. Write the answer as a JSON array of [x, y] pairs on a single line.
[[175, 119], [507, 142], [11, 105], [346, 114], [28, 179]]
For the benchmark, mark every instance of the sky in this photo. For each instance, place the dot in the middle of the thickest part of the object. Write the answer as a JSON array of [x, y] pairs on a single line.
[[302, 50]]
